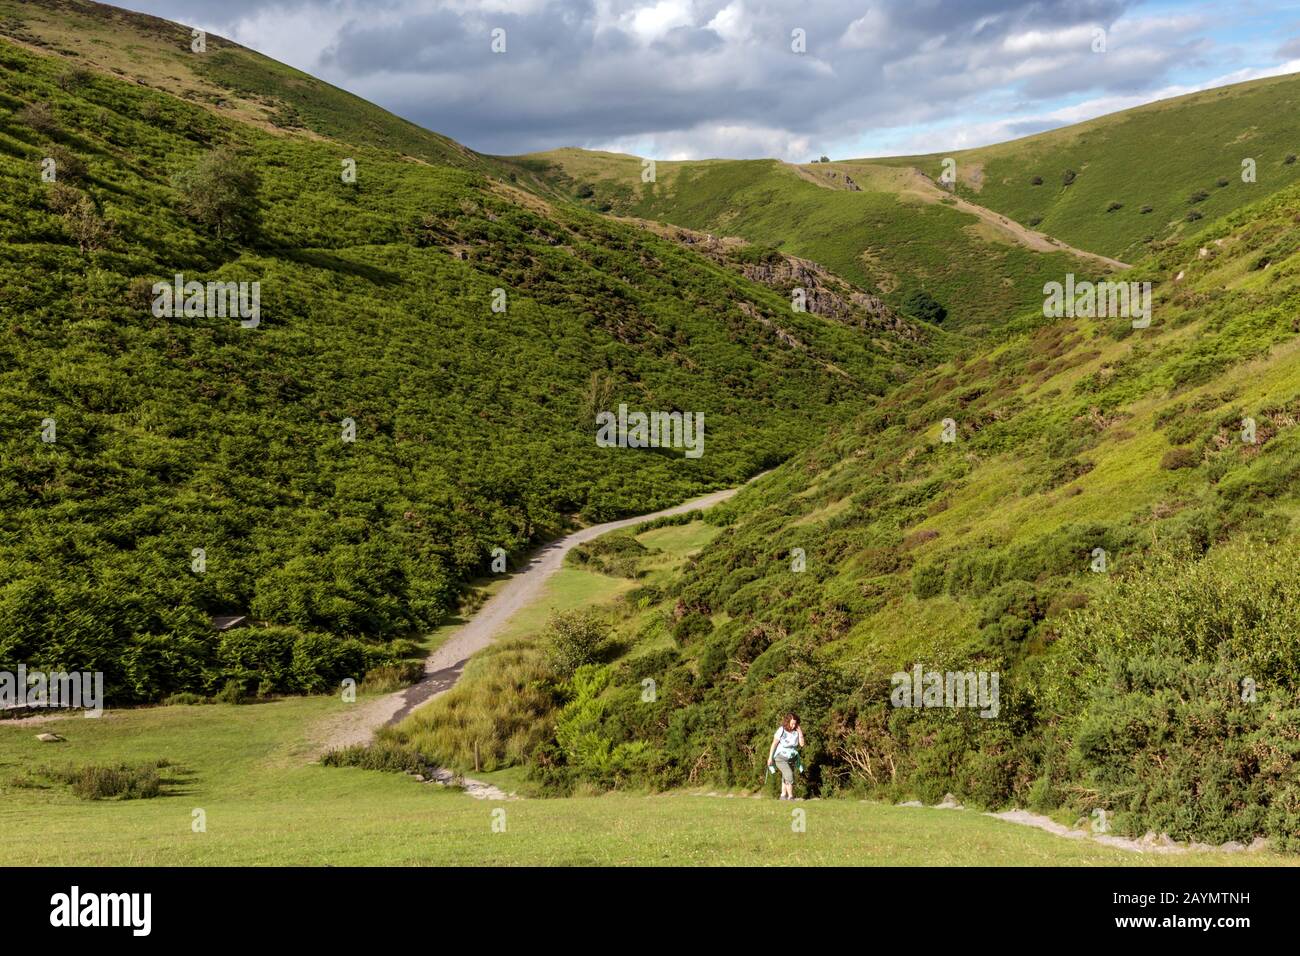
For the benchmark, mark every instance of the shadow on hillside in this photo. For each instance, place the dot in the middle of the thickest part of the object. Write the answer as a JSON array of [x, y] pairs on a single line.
[[319, 259]]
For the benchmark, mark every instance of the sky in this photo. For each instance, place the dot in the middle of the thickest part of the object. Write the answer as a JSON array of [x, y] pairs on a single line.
[[797, 79]]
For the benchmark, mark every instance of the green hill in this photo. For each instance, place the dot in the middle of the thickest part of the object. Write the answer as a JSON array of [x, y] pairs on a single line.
[[1135, 177], [1100, 533], [884, 234], [155, 471], [227, 79]]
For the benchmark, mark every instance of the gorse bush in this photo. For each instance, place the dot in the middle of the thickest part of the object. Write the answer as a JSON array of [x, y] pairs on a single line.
[[1176, 696], [618, 555], [920, 304], [1238, 603]]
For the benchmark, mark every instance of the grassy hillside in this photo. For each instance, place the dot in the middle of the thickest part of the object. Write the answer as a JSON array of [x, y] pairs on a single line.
[[1138, 174], [887, 239], [131, 440], [228, 80], [1160, 686]]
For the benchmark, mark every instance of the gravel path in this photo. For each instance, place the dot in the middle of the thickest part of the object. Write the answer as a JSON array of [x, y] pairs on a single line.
[[443, 667]]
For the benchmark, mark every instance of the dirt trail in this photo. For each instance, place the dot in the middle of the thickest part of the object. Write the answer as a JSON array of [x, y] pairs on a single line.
[[923, 187], [443, 667], [1022, 234]]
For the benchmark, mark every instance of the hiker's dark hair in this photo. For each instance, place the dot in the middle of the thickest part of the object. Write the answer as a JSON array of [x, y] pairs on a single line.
[[789, 719]]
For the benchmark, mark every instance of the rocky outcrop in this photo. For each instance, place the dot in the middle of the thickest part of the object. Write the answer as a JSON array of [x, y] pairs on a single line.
[[825, 293]]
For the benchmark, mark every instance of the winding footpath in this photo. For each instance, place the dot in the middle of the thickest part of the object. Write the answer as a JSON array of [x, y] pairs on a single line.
[[443, 667]]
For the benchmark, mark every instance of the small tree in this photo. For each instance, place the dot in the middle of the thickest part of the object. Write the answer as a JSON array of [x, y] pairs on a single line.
[[574, 638], [921, 305], [68, 166], [63, 198], [86, 226], [73, 79], [220, 191], [825, 159]]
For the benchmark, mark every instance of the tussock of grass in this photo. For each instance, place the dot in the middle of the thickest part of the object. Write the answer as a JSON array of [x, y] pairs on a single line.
[[122, 781]]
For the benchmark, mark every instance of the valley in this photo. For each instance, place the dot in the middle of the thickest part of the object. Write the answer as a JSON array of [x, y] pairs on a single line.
[[347, 457]]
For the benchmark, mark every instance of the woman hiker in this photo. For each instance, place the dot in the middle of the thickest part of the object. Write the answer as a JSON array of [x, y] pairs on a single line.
[[785, 748]]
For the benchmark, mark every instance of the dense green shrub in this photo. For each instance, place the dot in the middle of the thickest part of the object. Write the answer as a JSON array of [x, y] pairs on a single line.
[[927, 579], [574, 639], [618, 554], [1178, 695], [691, 625], [922, 305]]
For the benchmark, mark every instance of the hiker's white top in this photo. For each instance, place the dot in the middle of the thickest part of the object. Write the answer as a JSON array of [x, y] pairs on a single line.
[[787, 742]]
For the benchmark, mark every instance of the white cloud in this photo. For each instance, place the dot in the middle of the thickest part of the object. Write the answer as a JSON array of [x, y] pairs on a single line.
[[1046, 41], [869, 31], [715, 142], [651, 22], [676, 74]]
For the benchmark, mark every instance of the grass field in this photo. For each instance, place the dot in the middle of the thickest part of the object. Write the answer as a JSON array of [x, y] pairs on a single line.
[[264, 805]]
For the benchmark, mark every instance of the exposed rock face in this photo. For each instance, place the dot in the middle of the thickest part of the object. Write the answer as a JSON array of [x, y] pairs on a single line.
[[824, 293]]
